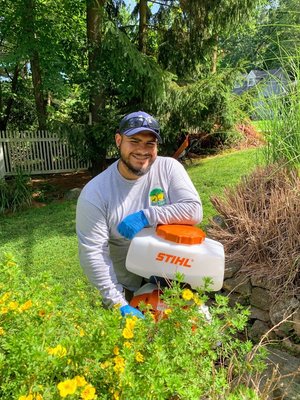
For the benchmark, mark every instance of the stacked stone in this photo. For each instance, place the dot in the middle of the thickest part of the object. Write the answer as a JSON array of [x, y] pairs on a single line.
[[266, 313]]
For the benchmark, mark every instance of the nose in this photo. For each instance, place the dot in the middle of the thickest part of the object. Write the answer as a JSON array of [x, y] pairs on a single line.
[[144, 147]]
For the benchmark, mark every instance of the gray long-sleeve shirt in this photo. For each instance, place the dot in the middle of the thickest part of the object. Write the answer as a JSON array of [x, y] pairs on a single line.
[[165, 194]]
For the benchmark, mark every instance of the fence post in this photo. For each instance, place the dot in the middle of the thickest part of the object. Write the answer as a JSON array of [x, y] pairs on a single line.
[[2, 166]]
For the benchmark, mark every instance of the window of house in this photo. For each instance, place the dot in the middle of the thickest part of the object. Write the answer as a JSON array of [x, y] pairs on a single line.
[[251, 81]]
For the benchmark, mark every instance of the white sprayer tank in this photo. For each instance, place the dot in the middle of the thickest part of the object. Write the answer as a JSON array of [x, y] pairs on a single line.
[[169, 249]]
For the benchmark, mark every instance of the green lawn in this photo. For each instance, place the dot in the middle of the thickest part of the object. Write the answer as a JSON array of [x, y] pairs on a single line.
[[44, 239]]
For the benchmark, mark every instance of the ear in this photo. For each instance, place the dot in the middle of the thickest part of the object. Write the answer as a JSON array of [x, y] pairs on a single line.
[[118, 139]]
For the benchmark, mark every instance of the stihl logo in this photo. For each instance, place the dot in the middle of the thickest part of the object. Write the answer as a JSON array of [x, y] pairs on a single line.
[[169, 258]]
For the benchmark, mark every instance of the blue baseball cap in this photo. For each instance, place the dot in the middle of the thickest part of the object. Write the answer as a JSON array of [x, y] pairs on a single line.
[[138, 122]]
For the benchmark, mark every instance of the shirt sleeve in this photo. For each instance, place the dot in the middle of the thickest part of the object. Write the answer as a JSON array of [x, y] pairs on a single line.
[[93, 235], [185, 205]]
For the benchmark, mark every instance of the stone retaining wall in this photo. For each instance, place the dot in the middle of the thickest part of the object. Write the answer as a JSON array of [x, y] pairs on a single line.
[[265, 312]]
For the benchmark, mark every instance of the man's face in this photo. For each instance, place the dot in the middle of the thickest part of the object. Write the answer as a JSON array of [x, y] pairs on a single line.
[[137, 154]]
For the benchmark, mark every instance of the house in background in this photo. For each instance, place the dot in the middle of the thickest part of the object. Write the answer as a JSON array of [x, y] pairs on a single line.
[[271, 82], [274, 82]]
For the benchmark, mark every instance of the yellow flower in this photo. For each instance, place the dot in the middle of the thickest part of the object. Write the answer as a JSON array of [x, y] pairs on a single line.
[[58, 351], [12, 305], [4, 297], [130, 322], [105, 365], [139, 357], [29, 397], [187, 294], [127, 333], [25, 306], [116, 395], [66, 387], [168, 311], [38, 397], [116, 350], [88, 393], [119, 364], [81, 333], [80, 380], [4, 310], [197, 300], [2, 331], [127, 344]]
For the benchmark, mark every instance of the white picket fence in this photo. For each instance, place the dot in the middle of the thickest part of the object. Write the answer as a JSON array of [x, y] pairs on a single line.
[[34, 153]]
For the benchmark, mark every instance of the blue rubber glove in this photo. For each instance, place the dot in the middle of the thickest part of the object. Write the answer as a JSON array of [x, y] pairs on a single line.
[[128, 310], [132, 224]]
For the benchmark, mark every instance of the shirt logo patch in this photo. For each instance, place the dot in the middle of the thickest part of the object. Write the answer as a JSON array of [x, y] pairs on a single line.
[[157, 197]]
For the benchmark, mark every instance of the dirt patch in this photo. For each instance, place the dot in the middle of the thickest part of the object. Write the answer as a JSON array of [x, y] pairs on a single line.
[[53, 187]]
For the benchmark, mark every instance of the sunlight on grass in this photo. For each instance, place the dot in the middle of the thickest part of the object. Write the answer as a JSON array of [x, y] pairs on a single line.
[[44, 239]]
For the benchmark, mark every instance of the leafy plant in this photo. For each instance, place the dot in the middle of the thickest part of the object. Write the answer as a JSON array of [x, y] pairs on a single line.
[[52, 348], [15, 193]]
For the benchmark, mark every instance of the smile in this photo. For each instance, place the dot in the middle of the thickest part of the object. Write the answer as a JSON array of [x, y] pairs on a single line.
[[140, 157]]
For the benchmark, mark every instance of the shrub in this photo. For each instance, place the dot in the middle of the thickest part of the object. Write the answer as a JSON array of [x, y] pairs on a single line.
[[15, 193], [206, 109], [51, 348], [261, 225]]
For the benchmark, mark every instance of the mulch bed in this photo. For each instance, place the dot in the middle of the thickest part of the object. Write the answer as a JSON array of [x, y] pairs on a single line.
[[53, 187]]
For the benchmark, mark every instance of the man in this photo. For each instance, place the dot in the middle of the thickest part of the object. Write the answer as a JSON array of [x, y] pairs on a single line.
[[140, 189]]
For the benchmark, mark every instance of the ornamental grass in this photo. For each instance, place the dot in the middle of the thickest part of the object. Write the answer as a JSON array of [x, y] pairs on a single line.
[[260, 227]]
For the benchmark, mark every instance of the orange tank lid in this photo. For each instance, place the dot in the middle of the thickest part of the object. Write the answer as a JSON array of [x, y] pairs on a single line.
[[184, 234]]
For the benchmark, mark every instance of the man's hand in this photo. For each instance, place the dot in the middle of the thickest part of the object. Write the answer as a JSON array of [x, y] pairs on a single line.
[[128, 310], [132, 224]]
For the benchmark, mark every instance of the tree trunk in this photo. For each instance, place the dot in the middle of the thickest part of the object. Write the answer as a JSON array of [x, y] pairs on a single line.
[[95, 15], [214, 60], [29, 30], [143, 26], [215, 56], [95, 11], [40, 102]]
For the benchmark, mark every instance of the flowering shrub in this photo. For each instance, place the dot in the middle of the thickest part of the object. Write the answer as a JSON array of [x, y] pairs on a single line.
[[53, 348]]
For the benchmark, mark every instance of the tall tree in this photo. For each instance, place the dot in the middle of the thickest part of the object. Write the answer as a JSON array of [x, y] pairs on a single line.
[[195, 30], [29, 31], [95, 16], [142, 25]]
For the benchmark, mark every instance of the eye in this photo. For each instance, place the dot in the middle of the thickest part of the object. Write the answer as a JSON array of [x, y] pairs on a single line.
[[151, 144]]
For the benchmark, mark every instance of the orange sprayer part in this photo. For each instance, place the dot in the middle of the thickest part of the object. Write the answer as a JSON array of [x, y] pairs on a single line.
[[152, 298], [184, 234]]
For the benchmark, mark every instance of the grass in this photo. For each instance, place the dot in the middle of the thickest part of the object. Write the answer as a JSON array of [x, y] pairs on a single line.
[[44, 239]]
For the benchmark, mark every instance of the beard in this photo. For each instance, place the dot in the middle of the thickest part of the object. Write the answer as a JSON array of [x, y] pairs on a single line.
[[136, 171]]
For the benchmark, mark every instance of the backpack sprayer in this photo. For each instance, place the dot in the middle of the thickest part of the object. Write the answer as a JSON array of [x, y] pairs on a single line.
[[159, 254]]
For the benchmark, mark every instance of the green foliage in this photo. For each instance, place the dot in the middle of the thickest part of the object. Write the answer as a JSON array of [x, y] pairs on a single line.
[[206, 107], [192, 31], [53, 347], [281, 126], [15, 193]]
